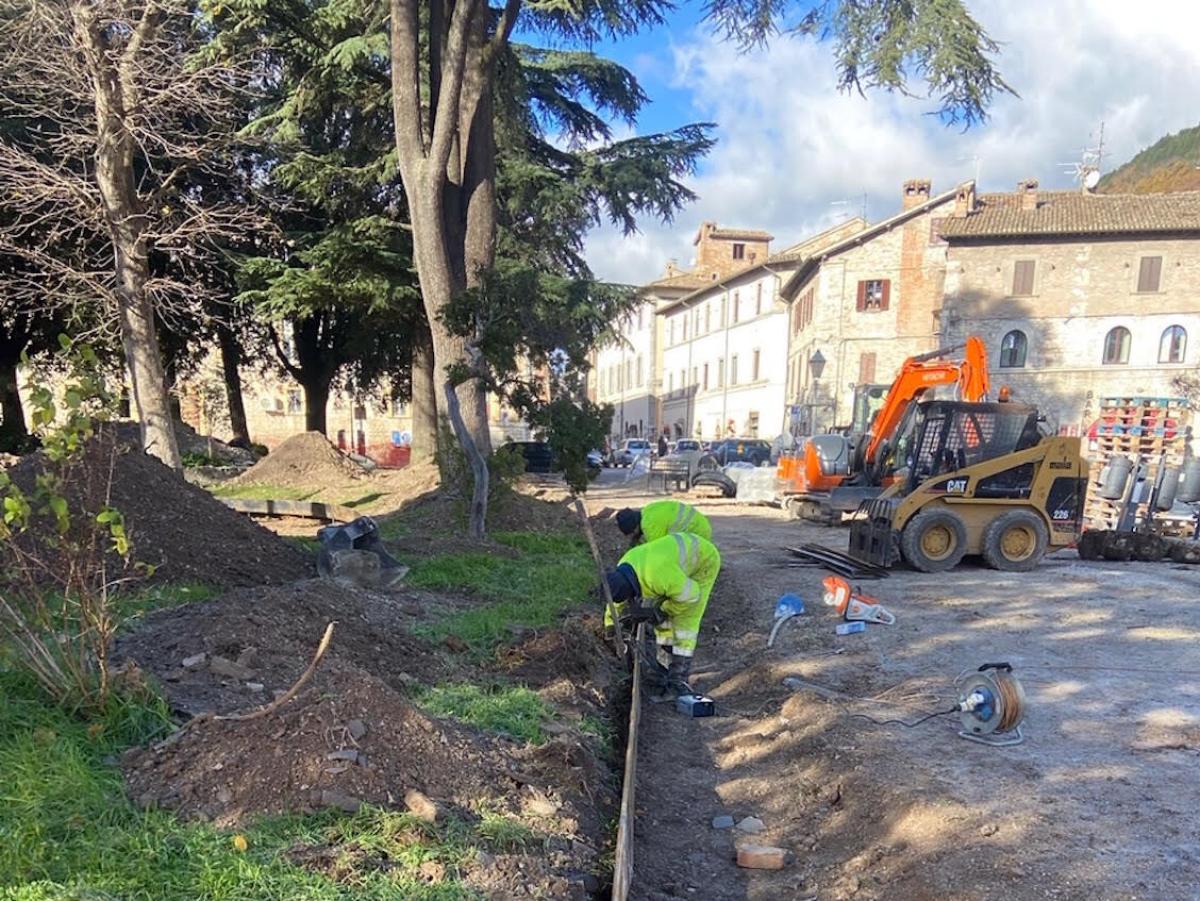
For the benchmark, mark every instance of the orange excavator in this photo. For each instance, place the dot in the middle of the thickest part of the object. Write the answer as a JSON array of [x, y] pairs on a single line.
[[831, 474]]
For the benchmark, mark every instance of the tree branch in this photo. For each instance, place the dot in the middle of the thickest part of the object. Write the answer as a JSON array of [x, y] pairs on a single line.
[[445, 124], [411, 137]]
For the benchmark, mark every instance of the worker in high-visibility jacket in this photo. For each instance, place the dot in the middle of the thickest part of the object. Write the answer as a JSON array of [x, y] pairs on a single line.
[[666, 582], [660, 518]]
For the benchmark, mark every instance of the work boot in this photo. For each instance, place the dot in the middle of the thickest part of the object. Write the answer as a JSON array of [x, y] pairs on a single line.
[[654, 672], [676, 680]]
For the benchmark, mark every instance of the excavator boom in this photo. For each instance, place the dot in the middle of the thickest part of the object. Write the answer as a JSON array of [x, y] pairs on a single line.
[[920, 373]]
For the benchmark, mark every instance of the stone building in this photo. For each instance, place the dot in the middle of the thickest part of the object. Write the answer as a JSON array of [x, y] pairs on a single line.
[[1078, 296], [862, 305], [627, 372], [725, 344]]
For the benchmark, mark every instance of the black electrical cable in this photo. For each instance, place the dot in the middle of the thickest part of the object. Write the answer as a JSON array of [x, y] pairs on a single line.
[[928, 716]]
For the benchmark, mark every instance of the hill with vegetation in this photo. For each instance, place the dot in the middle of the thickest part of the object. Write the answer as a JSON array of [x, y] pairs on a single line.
[[1170, 164]]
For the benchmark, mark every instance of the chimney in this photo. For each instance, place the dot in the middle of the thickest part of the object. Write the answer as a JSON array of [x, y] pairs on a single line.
[[964, 200], [1028, 189], [916, 192], [707, 227], [672, 269]]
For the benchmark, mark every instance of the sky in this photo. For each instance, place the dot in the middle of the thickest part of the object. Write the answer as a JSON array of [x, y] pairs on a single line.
[[795, 155]]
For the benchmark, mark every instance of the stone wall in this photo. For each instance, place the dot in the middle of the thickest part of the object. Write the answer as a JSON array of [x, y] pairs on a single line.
[[1081, 290], [866, 344]]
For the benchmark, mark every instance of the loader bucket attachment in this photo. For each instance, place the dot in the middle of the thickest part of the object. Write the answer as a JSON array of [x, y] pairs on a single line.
[[872, 538]]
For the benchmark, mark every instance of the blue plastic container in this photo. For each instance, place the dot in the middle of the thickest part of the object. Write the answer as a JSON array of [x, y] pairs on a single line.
[[788, 605]]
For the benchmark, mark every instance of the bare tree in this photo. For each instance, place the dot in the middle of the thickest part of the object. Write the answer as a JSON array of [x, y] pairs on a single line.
[[110, 111]]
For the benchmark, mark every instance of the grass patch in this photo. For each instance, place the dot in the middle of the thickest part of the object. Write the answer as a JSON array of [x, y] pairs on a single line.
[[504, 833], [553, 573], [602, 729], [513, 710], [70, 832], [262, 492], [133, 605]]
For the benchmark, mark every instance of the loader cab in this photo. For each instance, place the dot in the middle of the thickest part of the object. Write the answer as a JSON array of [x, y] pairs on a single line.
[[945, 436]]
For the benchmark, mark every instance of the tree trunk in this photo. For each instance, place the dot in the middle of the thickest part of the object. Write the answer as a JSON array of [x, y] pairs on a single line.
[[316, 402], [477, 515], [424, 397], [14, 436], [146, 378], [115, 96], [231, 361]]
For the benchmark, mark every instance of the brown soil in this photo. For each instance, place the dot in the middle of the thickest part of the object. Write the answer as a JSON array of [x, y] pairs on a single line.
[[181, 530], [306, 460], [228, 771], [274, 631]]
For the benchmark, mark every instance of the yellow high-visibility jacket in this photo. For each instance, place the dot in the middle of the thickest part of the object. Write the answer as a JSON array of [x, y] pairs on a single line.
[[661, 518], [678, 569]]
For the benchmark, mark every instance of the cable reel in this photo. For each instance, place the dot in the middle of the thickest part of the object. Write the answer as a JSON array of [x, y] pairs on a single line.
[[991, 705]]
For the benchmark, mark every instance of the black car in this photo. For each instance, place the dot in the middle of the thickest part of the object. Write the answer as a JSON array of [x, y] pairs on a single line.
[[539, 457], [741, 450]]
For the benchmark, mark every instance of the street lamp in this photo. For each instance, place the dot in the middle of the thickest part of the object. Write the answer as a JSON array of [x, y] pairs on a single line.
[[816, 366]]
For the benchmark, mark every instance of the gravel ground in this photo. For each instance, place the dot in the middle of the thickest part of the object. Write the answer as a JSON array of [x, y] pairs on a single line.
[[1098, 802]]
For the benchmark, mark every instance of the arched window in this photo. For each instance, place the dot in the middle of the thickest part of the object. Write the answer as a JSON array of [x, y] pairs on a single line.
[[1013, 349], [1116, 346], [1173, 346]]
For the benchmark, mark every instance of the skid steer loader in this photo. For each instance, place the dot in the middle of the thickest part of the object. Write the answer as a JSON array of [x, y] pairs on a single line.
[[974, 478]]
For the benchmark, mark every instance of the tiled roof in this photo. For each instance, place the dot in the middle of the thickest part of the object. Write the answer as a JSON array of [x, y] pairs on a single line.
[[687, 281], [740, 234], [1077, 213]]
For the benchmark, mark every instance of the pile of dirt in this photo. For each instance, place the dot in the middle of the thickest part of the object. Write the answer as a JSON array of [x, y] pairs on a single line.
[[306, 460], [352, 735], [181, 530], [271, 633]]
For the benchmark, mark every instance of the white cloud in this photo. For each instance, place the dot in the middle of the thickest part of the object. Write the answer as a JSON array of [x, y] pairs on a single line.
[[791, 144]]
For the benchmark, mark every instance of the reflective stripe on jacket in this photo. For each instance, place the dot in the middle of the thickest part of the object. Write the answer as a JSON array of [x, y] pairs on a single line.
[[661, 518], [675, 567]]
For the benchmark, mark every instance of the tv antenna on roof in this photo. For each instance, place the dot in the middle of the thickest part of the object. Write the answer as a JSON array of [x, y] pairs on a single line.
[[846, 205], [1086, 172]]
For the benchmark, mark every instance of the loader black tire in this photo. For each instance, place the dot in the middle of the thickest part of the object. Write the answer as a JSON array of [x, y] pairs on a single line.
[[934, 541], [1015, 541], [1091, 544]]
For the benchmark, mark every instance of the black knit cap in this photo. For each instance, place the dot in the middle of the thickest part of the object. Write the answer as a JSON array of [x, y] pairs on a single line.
[[623, 583], [629, 520]]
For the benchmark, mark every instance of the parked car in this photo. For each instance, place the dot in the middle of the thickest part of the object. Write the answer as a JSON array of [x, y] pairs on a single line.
[[630, 451], [741, 450], [595, 459], [690, 451], [539, 457]]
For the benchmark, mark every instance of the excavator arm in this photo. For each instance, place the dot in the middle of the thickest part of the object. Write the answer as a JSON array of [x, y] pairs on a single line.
[[920, 373]]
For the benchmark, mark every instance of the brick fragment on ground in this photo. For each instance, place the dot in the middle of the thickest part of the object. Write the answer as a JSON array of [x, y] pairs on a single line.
[[761, 857]]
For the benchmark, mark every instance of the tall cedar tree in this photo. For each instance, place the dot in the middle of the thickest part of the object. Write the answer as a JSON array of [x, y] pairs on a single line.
[[340, 283], [446, 55]]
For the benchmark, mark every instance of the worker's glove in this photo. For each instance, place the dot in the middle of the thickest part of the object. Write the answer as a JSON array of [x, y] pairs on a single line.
[[642, 611]]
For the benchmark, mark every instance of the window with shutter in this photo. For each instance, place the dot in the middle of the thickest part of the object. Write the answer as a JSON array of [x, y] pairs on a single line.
[[873, 295], [758, 301], [1149, 275], [733, 370], [739, 251], [1023, 278], [754, 366], [866, 368], [736, 301]]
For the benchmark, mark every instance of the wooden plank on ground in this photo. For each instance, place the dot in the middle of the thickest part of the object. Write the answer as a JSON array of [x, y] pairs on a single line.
[[623, 861], [305, 509]]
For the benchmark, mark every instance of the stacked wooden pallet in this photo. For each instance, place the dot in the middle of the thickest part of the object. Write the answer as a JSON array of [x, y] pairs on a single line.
[[1153, 428]]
